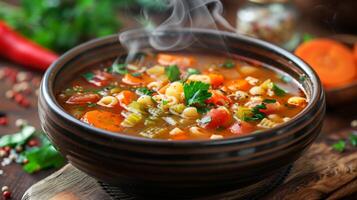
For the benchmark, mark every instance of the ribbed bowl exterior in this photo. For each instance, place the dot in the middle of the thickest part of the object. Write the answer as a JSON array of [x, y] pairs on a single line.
[[185, 166]]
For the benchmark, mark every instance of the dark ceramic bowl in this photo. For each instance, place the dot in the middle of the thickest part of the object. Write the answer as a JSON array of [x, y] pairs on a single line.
[[180, 168]]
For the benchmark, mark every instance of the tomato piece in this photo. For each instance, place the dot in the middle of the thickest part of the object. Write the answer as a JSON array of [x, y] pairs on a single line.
[[241, 128], [218, 98], [125, 97], [216, 79], [219, 117], [100, 78], [83, 98]]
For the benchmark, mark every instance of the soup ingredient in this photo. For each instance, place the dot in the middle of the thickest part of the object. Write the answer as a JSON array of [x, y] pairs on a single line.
[[79, 99], [23, 51], [103, 119], [228, 64], [173, 73], [196, 93], [215, 118], [182, 61], [339, 146], [177, 103], [333, 62]]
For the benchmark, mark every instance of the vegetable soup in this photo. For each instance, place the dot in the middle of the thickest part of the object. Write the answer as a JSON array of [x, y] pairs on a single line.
[[183, 97]]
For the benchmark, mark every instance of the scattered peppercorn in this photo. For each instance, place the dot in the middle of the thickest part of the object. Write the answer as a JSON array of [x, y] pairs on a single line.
[[6, 194], [4, 188]]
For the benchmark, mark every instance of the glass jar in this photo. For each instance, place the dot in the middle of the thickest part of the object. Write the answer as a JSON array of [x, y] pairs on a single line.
[[270, 20]]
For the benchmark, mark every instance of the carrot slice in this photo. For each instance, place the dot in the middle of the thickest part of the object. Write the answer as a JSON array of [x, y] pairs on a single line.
[[182, 61], [125, 97], [333, 62], [239, 84], [355, 52], [182, 136], [103, 119], [216, 79], [132, 80]]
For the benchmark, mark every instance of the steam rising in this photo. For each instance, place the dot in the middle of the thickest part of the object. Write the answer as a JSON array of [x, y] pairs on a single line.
[[183, 14]]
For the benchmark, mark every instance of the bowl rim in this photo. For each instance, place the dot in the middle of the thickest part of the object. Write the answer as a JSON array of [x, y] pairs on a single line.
[[54, 69]]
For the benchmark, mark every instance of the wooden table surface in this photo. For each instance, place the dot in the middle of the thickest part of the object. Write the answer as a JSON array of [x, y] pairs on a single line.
[[18, 181]]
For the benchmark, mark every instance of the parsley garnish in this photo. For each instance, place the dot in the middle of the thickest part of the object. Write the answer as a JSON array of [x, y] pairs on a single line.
[[90, 105], [269, 100], [88, 76], [144, 91], [118, 68], [191, 71], [173, 73], [277, 90], [339, 146], [307, 37], [228, 64], [196, 93], [256, 114], [353, 139], [165, 102]]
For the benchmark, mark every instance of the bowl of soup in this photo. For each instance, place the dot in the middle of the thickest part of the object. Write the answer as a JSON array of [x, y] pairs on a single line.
[[194, 121]]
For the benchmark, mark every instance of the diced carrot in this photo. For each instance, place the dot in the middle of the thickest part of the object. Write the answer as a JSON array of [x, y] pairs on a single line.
[[103, 119], [333, 62], [218, 98], [83, 98], [181, 136], [132, 80], [238, 84], [182, 61], [216, 79], [125, 97]]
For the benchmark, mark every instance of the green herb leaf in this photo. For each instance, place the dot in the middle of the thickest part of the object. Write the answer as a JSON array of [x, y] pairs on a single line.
[[173, 73], [165, 102], [17, 138], [228, 64], [144, 91], [269, 100], [118, 68], [88, 76], [339, 146], [196, 93], [277, 90], [353, 139], [43, 157], [136, 74], [256, 113], [191, 71]]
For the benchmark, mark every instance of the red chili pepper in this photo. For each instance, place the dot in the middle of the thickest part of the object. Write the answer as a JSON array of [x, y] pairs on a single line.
[[21, 50]]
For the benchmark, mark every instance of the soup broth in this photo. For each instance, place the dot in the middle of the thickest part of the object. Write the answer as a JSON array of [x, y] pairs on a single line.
[[183, 97]]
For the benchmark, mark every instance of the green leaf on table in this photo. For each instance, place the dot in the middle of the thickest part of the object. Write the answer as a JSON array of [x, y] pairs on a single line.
[[339, 146], [353, 139], [18, 138], [173, 73], [43, 157]]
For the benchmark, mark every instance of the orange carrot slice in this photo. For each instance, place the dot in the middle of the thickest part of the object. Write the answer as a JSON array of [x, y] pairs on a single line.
[[182, 61], [333, 62], [239, 84], [103, 119], [125, 97], [216, 79], [132, 80]]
